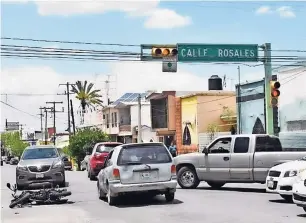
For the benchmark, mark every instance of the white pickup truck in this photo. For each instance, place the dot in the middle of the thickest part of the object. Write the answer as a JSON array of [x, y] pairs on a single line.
[[233, 159]]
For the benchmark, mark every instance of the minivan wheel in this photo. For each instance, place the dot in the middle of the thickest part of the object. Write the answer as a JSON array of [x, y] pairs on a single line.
[[169, 197], [110, 199], [187, 178]]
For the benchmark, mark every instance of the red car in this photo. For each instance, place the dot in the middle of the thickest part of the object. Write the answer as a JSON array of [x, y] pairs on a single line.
[[98, 156]]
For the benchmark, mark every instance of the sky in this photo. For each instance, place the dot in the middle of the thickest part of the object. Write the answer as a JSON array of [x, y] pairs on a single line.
[[133, 22]]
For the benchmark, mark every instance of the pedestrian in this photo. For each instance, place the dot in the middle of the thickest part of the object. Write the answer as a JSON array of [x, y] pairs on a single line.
[[172, 149]]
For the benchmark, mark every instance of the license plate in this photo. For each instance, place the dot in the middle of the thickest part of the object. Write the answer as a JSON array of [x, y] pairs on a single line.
[[39, 175], [145, 175], [270, 184]]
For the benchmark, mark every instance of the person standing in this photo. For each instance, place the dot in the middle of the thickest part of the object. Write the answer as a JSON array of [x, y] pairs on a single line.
[[172, 149]]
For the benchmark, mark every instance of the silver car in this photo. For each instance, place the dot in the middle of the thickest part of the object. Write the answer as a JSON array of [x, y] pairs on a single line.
[[39, 165], [137, 168]]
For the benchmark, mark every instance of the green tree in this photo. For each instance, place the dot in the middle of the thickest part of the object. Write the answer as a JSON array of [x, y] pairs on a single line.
[[13, 142], [81, 139], [88, 97]]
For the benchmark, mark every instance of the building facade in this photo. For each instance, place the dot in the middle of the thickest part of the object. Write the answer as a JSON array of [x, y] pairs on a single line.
[[204, 114]]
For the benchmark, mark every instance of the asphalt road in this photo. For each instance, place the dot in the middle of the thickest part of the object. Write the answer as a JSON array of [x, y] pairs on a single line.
[[235, 203]]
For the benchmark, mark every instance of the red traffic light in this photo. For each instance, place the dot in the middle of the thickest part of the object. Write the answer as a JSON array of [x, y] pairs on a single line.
[[275, 93]]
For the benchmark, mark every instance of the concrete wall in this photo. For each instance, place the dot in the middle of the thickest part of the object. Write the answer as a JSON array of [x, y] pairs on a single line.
[[145, 115], [210, 108], [252, 107], [109, 129]]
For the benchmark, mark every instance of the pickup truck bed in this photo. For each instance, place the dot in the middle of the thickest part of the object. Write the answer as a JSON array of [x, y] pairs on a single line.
[[233, 159]]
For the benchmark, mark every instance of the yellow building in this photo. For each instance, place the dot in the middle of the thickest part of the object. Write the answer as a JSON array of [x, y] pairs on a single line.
[[203, 113]]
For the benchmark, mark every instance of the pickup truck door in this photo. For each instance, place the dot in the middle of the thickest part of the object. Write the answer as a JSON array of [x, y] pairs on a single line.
[[241, 160], [217, 162]]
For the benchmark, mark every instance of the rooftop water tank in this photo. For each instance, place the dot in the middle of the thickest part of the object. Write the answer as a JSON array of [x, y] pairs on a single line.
[[215, 83]]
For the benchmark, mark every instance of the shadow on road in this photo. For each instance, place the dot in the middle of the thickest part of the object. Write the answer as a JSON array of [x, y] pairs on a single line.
[[302, 215], [281, 201], [140, 201], [236, 189]]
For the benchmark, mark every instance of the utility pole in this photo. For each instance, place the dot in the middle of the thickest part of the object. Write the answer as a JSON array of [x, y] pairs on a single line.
[[54, 111], [67, 92], [239, 102], [72, 116], [139, 119], [21, 128], [41, 122], [46, 123], [268, 77]]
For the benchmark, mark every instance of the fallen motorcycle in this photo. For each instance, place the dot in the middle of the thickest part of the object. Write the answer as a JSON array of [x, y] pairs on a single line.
[[42, 196]]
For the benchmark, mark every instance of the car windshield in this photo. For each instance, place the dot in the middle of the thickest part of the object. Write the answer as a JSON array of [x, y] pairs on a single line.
[[106, 148], [39, 153], [143, 155]]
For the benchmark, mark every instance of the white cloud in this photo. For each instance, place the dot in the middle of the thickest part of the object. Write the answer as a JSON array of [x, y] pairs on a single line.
[[264, 10], [286, 12], [131, 76], [166, 18], [154, 17]]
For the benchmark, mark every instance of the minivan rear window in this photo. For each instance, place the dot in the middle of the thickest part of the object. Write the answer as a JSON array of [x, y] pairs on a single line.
[[143, 155], [106, 148]]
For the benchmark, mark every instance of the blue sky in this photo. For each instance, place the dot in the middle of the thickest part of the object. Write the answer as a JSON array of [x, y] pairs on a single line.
[[211, 22]]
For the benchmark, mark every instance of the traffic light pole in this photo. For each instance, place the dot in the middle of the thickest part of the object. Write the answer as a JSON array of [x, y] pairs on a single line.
[[268, 77]]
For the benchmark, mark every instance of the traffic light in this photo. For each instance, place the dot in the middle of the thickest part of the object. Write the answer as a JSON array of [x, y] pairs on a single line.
[[275, 85], [160, 52]]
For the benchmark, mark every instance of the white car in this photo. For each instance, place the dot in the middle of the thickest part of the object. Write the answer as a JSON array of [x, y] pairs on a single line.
[[281, 178], [137, 168], [299, 191]]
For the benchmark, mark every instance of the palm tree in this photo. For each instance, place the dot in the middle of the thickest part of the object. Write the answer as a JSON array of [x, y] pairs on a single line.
[[88, 97]]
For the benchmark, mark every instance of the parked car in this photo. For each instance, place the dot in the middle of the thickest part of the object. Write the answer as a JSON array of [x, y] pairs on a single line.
[[39, 165], [137, 168], [84, 163], [98, 156], [67, 162], [233, 159], [14, 161], [282, 177], [299, 191]]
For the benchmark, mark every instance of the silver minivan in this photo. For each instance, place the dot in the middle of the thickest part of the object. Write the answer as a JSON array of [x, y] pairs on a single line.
[[137, 168]]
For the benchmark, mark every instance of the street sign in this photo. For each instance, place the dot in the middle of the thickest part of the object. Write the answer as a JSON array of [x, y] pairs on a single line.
[[217, 52], [170, 64], [12, 126]]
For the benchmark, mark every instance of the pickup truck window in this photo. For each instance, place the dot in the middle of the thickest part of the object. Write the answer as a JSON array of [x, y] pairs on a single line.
[[268, 144], [222, 145], [241, 145]]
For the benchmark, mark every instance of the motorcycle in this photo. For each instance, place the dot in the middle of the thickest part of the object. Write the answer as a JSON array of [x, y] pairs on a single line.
[[42, 196]]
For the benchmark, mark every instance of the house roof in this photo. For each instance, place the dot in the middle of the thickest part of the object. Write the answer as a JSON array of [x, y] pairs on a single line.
[[211, 93], [129, 97], [124, 104]]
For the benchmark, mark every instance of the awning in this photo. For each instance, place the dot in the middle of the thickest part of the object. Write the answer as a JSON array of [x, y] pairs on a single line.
[[125, 133]]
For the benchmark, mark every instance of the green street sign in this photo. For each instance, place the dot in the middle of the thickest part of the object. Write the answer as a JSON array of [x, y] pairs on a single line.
[[217, 52]]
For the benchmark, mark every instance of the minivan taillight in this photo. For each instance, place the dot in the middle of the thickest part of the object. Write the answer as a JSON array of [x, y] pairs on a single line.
[[116, 173], [173, 170]]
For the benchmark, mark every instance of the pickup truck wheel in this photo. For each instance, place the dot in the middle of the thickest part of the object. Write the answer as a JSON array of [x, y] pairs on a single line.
[[287, 198], [216, 185], [187, 178]]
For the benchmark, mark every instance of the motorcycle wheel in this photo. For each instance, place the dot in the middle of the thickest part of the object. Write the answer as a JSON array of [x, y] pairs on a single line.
[[20, 200]]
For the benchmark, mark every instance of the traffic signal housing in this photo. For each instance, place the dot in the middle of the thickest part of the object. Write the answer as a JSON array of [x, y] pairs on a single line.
[[160, 52], [275, 93]]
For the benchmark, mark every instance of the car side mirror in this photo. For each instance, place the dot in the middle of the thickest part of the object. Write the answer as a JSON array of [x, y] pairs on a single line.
[[8, 186], [205, 151]]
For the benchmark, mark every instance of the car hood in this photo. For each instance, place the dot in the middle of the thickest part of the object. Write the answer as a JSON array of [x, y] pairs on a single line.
[[35, 162], [292, 165], [187, 156]]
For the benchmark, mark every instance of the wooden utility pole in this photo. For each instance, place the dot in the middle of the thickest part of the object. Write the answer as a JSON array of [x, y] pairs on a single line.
[[67, 92], [41, 122], [54, 111], [46, 123], [72, 115]]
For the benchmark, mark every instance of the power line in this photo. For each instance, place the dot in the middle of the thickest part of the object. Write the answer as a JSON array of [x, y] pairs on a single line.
[[18, 109], [67, 42]]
